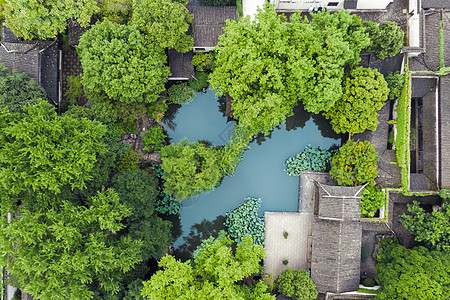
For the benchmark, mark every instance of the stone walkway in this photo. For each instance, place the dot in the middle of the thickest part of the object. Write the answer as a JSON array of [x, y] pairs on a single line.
[[296, 249]]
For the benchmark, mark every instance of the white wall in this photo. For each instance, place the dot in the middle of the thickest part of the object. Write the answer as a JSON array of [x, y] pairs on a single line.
[[250, 7]]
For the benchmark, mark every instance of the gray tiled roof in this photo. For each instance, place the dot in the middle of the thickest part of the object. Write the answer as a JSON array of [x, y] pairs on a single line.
[[207, 23], [74, 32], [180, 64], [435, 4], [444, 118]]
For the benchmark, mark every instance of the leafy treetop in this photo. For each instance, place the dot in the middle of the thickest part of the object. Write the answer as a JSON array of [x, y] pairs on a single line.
[[296, 284]]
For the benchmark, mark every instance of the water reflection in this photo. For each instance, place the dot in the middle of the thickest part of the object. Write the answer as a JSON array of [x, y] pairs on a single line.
[[298, 119], [170, 114], [199, 232], [325, 127]]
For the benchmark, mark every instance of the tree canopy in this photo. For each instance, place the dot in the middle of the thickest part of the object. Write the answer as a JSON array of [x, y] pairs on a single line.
[[57, 254], [164, 22], [296, 284], [364, 93], [432, 229], [215, 273], [41, 151], [387, 39], [47, 18], [355, 164], [190, 168], [119, 61], [18, 90], [412, 273], [268, 65]]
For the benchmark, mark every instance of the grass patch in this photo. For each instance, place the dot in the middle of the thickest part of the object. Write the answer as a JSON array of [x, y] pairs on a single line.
[[367, 291], [441, 46]]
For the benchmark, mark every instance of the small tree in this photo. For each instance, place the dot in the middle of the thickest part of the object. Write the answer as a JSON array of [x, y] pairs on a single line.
[[372, 199], [364, 93], [18, 90], [388, 40], [154, 138], [120, 62], [190, 169], [180, 93], [395, 83], [296, 284], [355, 164]]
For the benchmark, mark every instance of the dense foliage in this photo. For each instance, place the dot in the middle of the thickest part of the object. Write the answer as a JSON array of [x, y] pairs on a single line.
[[154, 138], [364, 93], [215, 273], [164, 22], [202, 61], [432, 229], [244, 220], [387, 39], [165, 204], [57, 254], [18, 90], [268, 65], [190, 169], [232, 153], [180, 93], [296, 284], [412, 273], [200, 82], [120, 62], [395, 83], [47, 18], [43, 151], [355, 164], [372, 199], [310, 159]]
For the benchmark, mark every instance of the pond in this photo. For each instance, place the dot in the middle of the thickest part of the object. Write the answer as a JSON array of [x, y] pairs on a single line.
[[260, 174]]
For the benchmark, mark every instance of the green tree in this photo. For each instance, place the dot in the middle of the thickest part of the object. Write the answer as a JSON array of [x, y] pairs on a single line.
[[164, 22], [355, 164], [372, 199], [214, 274], [154, 138], [46, 19], [268, 65], [119, 61], [395, 83], [412, 273], [57, 254], [432, 229], [190, 169], [296, 284], [18, 90], [180, 93], [364, 93], [387, 40], [42, 152], [138, 191]]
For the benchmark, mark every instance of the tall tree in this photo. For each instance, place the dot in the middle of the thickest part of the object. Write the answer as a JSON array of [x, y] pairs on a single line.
[[190, 169], [42, 152], [432, 229], [46, 19], [364, 93], [214, 274], [268, 65], [56, 254], [165, 22], [119, 61], [18, 90], [412, 273]]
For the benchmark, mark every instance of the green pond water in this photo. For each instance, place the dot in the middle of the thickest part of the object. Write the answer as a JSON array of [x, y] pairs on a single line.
[[260, 174]]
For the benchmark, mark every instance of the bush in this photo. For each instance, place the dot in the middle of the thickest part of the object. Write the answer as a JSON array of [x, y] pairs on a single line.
[[18, 90], [310, 159], [296, 284], [395, 83], [165, 204], [285, 262], [154, 138], [181, 94], [128, 161], [232, 153], [74, 90], [355, 164], [444, 194], [202, 61], [388, 40], [157, 110], [117, 11], [200, 82], [285, 235], [244, 220], [369, 282], [372, 199]]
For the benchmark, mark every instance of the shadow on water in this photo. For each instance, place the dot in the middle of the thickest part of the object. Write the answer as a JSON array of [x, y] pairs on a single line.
[[170, 114], [222, 101], [298, 119], [325, 127], [176, 230], [199, 232]]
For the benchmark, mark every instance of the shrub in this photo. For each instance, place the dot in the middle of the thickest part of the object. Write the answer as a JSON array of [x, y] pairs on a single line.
[[117, 11], [388, 41], [165, 204], [181, 94], [444, 194], [244, 220], [154, 138], [74, 90], [157, 110], [395, 83], [372, 199], [310, 159], [128, 161], [296, 284], [202, 61], [232, 153], [369, 281], [200, 82], [285, 235], [285, 262], [355, 164]]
